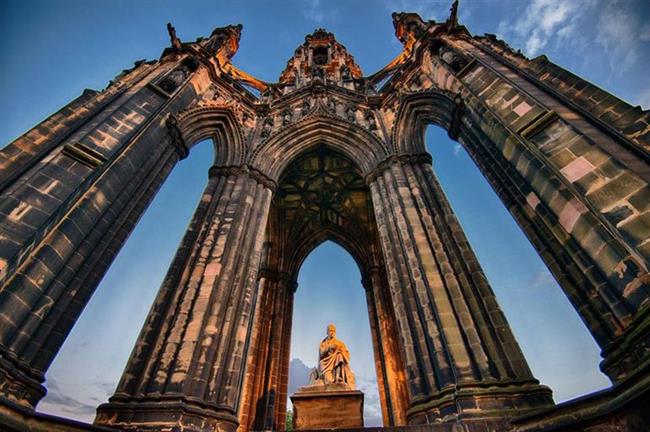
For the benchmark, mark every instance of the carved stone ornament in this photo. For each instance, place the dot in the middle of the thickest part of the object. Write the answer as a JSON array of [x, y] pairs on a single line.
[[174, 79], [267, 126]]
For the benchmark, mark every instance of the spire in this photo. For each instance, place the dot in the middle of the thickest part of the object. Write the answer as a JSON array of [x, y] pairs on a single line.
[[321, 58]]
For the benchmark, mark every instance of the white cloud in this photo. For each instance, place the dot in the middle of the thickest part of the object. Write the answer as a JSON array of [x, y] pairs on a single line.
[[371, 404], [71, 400], [572, 25], [619, 32], [567, 31], [543, 279], [541, 20], [535, 43], [644, 33]]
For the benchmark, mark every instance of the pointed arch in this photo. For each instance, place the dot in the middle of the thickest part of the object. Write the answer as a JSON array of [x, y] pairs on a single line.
[[415, 113], [356, 143], [359, 252], [219, 123], [352, 228]]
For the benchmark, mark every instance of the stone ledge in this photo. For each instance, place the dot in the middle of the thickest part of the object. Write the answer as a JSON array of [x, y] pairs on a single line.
[[165, 413], [623, 407], [16, 418]]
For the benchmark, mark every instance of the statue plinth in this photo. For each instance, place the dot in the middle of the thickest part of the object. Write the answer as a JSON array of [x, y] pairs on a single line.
[[330, 400], [331, 406]]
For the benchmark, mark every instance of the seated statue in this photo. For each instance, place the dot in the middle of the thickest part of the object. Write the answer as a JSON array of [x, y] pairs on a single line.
[[333, 363]]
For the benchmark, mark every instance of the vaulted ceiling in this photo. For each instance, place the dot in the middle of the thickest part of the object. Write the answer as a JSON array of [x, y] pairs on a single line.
[[321, 196]]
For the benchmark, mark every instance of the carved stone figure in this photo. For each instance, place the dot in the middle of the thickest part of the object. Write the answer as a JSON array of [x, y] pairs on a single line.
[[454, 61], [331, 105], [350, 113], [370, 118], [319, 72], [286, 116], [333, 362], [266, 127], [345, 73], [216, 43], [174, 79]]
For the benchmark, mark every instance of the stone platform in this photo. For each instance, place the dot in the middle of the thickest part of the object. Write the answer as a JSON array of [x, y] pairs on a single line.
[[323, 407]]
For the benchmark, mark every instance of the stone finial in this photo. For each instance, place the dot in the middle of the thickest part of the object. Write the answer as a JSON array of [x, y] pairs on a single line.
[[453, 15], [224, 42], [175, 41]]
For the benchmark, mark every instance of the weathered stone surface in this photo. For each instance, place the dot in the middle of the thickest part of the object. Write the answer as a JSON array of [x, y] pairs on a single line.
[[327, 154], [329, 409]]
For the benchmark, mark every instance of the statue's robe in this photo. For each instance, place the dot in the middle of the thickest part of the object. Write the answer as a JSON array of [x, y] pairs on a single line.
[[334, 363]]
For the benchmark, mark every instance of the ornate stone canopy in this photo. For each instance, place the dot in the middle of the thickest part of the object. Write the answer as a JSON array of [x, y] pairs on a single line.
[[321, 57]]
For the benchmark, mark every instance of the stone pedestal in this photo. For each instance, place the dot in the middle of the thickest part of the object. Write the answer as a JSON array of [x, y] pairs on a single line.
[[321, 407]]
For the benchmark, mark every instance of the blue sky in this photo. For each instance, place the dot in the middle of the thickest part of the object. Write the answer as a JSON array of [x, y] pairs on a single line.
[[52, 51]]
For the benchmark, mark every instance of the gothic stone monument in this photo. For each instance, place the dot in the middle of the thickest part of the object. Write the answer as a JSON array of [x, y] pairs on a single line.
[[328, 152], [330, 401]]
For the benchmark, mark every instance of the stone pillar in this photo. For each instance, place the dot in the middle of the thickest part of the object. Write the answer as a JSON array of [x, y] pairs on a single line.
[[268, 371], [42, 299], [612, 307], [388, 363], [71, 191], [285, 358], [187, 367], [255, 373], [570, 162], [461, 358]]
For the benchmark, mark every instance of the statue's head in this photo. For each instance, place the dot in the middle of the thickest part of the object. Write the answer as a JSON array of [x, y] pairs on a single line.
[[331, 330]]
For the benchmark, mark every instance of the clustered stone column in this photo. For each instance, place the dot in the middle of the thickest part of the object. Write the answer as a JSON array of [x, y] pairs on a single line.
[[611, 300], [43, 297], [390, 371], [187, 367], [460, 356], [570, 162], [264, 396]]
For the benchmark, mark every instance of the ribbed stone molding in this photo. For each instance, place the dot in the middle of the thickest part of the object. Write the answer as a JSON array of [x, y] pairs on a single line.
[[264, 396], [391, 379], [459, 353], [254, 173], [190, 356]]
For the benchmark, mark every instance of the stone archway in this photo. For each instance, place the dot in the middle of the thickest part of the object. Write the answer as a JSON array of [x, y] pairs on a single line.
[[321, 196]]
